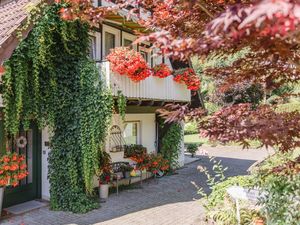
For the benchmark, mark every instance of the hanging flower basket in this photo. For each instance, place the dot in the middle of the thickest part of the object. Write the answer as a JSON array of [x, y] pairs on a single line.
[[130, 63], [189, 78], [161, 71]]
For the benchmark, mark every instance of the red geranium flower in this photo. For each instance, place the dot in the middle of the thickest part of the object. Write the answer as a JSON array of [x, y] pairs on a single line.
[[161, 70], [129, 62]]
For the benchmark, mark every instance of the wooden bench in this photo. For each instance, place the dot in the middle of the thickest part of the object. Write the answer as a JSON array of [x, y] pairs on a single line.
[[118, 175]]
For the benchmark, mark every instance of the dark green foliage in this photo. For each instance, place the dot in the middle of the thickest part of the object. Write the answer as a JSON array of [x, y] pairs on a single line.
[[171, 144], [192, 148], [50, 79]]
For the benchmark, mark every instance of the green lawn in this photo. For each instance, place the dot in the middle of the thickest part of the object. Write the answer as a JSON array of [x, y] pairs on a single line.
[[194, 138]]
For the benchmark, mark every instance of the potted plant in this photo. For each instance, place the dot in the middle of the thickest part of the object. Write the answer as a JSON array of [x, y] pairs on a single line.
[[158, 164], [13, 168], [104, 174], [192, 148], [258, 221], [126, 169]]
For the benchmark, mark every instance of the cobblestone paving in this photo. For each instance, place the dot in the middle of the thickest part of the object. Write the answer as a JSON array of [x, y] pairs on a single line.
[[171, 200]]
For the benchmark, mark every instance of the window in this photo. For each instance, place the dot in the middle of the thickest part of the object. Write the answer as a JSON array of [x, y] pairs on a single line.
[[146, 53], [92, 50], [131, 133], [110, 42], [110, 39], [128, 39], [127, 43]]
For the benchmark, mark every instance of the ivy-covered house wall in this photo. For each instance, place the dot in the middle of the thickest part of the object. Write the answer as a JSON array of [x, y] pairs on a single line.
[[50, 80]]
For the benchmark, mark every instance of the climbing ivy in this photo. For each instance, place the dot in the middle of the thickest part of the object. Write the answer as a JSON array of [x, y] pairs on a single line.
[[51, 80], [121, 101], [171, 144]]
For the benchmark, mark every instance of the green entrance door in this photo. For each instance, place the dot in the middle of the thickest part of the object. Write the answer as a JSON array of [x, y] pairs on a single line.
[[30, 187]]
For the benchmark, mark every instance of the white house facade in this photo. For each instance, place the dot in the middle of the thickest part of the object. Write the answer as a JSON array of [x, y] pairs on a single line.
[[140, 124]]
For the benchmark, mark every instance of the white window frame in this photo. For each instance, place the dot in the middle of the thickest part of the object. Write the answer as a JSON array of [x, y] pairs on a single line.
[[139, 129], [97, 36], [149, 54], [113, 31], [130, 37]]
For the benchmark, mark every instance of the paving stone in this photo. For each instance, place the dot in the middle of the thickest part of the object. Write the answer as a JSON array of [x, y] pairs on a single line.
[[171, 200]]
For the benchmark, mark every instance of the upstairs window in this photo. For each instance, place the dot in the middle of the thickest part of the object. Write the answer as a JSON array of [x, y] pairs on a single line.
[[93, 48], [127, 43], [110, 42]]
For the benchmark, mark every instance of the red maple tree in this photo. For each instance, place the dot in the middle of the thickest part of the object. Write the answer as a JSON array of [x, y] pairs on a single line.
[[185, 28]]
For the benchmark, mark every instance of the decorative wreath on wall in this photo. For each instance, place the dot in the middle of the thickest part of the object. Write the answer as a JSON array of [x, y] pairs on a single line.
[[21, 142]]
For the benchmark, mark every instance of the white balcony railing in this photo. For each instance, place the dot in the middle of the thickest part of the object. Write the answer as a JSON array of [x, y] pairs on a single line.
[[153, 88]]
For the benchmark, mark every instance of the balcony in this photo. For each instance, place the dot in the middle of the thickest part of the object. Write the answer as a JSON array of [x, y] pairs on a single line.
[[152, 88]]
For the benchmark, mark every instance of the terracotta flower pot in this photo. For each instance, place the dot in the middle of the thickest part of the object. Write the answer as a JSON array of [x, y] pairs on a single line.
[[259, 221]]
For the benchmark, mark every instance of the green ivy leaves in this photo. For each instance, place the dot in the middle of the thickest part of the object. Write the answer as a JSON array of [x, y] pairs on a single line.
[[50, 79], [171, 144]]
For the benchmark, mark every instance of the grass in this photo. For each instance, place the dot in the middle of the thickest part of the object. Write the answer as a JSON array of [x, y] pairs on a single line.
[[194, 138]]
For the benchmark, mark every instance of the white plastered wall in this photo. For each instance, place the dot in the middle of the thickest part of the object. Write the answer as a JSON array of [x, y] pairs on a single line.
[[147, 139], [147, 133]]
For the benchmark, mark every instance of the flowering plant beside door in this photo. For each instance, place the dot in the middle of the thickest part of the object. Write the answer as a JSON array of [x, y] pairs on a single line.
[[13, 168]]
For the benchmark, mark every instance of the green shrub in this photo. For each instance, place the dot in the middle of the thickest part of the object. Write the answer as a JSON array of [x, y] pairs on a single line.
[[282, 203], [219, 191], [191, 128], [192, 148]]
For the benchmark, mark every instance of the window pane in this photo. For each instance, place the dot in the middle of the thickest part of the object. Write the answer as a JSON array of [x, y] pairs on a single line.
[[92, 49], [131, 133], [127, 43], [110, 40], [145, 55]]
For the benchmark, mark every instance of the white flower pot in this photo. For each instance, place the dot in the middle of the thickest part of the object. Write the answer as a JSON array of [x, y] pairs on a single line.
[[103, 191], [1, 198]]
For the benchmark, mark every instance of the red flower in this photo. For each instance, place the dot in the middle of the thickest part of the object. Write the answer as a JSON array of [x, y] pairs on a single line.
[[12, 169], [189, 78], [161, 71], [128, 62]]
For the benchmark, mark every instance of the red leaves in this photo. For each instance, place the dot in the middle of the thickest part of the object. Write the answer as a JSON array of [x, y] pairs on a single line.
[[241, 123], [176, 113]]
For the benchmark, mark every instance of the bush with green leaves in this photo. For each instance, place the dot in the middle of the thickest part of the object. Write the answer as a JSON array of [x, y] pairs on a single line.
[[50, 79], [191, 128], [192, 148], [220, 207], [282, 202], [171, 144]]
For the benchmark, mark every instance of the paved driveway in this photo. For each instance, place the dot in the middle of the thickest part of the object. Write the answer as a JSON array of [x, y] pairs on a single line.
[[170, 200]]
